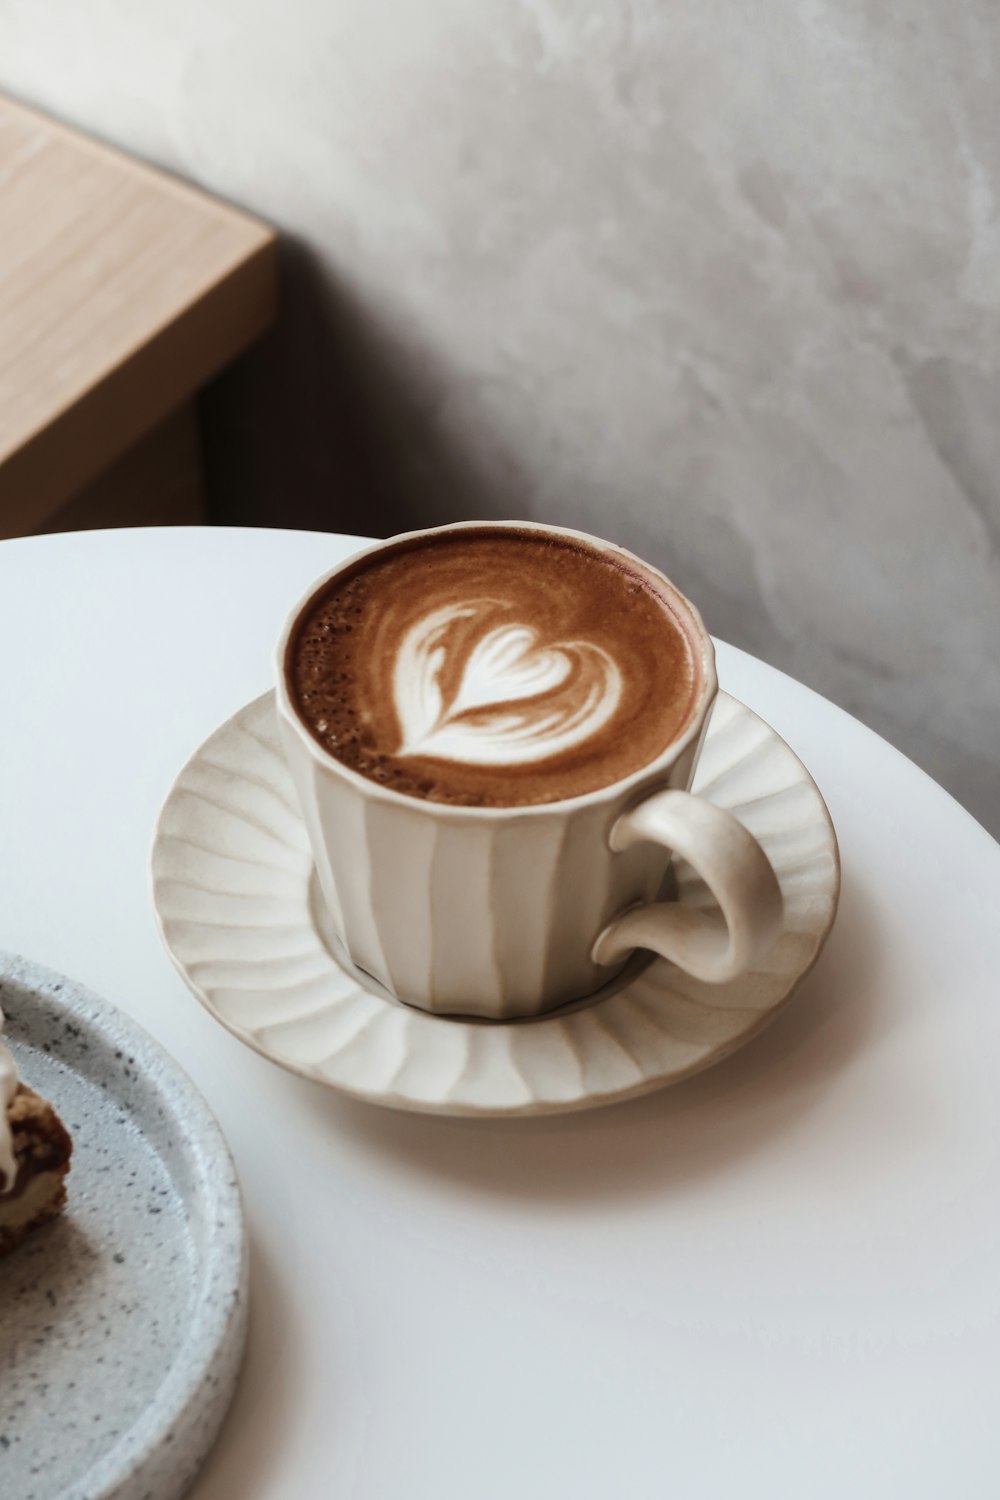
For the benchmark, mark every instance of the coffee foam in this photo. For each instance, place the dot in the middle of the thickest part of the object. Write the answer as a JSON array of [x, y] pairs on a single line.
[[517, 701], [493, 667]]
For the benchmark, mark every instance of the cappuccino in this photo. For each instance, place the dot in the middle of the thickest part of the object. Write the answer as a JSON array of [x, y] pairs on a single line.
[[494, 667]]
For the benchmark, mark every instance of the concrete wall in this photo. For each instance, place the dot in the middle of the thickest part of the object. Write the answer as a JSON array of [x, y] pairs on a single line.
[[718, 280]]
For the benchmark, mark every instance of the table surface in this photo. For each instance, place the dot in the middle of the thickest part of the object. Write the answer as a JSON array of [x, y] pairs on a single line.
[[779, 1278]]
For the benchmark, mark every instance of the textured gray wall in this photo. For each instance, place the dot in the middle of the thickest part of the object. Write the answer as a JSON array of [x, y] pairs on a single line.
[[718, 280]]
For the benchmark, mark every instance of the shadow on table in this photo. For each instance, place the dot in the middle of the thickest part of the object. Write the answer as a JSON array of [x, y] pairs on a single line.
[[248, 1448], [663, 1140]]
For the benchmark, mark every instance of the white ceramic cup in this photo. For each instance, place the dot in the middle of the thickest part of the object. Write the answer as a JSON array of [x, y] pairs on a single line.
[[505, 912]]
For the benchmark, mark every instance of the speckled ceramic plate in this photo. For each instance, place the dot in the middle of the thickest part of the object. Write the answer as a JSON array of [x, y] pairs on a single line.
[[122, 1323], [241, 917]]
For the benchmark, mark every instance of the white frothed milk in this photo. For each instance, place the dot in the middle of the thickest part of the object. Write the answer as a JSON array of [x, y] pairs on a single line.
[[517, 701]]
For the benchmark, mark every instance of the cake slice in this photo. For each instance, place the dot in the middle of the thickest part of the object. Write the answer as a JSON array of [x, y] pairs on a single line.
[[42, 1148], [35, 1148]]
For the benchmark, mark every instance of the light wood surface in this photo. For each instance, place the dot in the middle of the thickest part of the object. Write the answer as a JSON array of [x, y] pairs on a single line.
[[122, 291]]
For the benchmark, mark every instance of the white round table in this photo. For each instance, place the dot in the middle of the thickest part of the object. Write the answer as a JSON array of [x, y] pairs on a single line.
[[781, 1278]]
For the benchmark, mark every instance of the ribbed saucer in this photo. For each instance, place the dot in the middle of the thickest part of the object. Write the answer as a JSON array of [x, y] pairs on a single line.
[[237, 908]]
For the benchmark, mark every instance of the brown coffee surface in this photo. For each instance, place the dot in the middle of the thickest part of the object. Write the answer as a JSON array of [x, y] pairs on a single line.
[[495, 667]]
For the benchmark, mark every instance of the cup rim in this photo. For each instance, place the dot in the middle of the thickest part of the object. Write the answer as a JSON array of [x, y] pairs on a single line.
[[612, 791]]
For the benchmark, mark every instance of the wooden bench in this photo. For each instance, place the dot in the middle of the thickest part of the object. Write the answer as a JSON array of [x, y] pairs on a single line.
[[122, 291]]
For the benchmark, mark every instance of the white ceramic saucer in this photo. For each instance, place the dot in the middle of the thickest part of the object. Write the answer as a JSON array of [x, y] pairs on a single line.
[[241, 918]]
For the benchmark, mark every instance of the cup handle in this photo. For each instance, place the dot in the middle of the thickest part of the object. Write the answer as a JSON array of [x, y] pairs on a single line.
[[733, 866]]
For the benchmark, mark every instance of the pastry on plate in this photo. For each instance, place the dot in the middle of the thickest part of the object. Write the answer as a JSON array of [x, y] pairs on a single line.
[[35, 1150]]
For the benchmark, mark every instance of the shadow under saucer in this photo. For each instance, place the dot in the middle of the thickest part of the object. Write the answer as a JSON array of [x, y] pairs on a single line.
[[664, 1140]]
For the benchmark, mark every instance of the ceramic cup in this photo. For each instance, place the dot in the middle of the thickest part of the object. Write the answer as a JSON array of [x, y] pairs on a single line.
[[508, 912]]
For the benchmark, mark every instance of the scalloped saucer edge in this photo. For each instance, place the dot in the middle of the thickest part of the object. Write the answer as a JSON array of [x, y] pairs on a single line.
[[238, 912]]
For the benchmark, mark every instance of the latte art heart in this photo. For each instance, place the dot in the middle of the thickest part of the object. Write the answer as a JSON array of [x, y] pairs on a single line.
[[516, 701]]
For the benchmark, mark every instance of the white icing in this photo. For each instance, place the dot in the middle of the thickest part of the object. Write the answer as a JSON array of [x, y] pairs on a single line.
[[8, 1088], [517, 701]]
